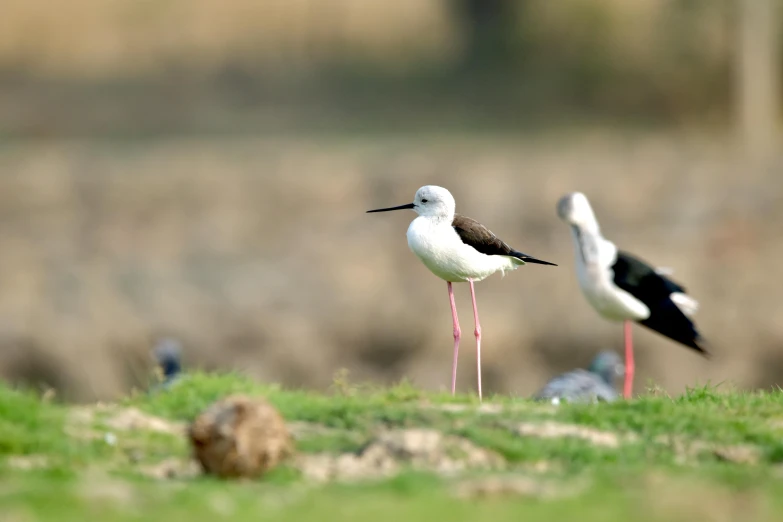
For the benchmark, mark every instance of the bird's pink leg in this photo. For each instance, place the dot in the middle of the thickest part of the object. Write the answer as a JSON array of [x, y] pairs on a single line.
[[457, 334], [477, 332], [629, 365]]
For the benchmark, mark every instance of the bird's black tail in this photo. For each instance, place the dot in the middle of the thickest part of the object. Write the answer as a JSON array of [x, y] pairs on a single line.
[[530, 259], [667, 319]]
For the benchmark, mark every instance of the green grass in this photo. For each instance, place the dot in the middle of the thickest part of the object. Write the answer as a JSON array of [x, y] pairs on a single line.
[[664, 467]]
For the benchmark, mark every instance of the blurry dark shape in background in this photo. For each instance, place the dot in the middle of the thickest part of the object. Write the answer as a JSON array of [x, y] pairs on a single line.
[[489, 31], [25, 363]]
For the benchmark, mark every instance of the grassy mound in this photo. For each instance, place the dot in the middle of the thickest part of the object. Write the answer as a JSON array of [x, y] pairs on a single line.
[[401, 454]]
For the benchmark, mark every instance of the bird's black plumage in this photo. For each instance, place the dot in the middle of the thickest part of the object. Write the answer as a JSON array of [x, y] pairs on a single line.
[[654, 290], [476, 235]]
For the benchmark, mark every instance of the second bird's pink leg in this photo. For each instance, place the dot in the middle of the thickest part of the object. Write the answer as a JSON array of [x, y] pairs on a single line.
[[477, 332], [629, 364], [457, 335]]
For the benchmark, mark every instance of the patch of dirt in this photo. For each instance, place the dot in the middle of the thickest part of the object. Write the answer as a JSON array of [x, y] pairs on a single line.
[[27, 462], [108, 422], [417, 448], [492, 409], [302, 430], [172, 468], [79, 423], [686, 450], [776, 424], [551, 430], [18, 515], [98, 486], [670, 498], [493, 487], [541, 466], [741, 454], [82, 420], [481, 408], [132, 419]]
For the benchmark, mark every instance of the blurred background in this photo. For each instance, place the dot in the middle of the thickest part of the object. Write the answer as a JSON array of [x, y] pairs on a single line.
[[201, 169]]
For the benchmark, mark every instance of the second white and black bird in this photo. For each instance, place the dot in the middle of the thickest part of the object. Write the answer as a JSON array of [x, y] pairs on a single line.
[[622, 287]]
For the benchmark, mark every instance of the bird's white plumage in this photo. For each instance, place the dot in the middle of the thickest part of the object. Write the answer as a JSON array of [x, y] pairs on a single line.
[[594, 259], [433, 239]]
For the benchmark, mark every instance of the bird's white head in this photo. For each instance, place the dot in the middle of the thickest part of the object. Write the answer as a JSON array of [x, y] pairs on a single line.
[[575, 209], [434, 201], [430, 201]]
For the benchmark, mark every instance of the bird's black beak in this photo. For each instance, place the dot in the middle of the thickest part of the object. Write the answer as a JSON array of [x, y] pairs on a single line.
[[401, 207]]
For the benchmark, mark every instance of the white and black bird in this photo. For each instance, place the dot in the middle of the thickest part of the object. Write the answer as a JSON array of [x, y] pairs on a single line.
[[457, 249], [622, 287]]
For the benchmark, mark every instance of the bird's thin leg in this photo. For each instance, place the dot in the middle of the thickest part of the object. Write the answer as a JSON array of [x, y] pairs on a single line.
[[477, 332], [457, 334], [629, 365]]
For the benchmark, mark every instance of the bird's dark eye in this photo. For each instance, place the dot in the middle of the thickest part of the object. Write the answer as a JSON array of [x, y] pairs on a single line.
[[423, 200]]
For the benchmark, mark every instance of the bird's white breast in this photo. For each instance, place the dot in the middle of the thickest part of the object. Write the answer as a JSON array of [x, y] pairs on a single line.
[[596, 279], [441, 250]]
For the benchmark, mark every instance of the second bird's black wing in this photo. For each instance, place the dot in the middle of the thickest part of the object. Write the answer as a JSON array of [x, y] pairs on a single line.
[[654, 290]]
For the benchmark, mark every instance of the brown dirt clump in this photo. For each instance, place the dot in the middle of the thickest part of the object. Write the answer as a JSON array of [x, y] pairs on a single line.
[[240, 436]]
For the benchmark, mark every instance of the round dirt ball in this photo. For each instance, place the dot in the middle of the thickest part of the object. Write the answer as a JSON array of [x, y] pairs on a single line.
[[240, 436]]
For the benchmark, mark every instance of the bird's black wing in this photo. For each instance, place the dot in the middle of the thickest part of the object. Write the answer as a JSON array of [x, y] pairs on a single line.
[[654, 290], [632, 272], [476, 235]]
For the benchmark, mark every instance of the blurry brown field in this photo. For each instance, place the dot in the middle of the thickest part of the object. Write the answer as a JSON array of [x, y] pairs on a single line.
[[257, 252], [107, 38], [202, 169]]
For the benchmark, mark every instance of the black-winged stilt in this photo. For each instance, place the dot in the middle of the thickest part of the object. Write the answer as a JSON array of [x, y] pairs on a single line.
[[622, 287], [457, 249], [597, 383]]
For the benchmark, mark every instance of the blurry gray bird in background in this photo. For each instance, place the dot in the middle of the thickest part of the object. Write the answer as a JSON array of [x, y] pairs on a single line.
[[597, 383], [168, 355]]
